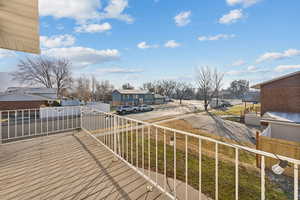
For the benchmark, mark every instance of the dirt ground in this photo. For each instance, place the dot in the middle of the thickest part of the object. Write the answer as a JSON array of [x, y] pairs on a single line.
[[204, 121], [216, 125]]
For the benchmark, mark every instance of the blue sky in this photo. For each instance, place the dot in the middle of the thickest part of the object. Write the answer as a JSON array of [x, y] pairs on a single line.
[[137, 41]]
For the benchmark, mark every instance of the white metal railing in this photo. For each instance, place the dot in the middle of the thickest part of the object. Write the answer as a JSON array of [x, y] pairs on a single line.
[[161, 155], [151, 150], [27, 123]]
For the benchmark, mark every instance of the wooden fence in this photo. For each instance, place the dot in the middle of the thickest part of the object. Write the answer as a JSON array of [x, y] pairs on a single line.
[[280, 147]]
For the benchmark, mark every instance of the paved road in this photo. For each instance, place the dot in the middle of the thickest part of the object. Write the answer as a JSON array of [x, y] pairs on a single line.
[[171, 109]]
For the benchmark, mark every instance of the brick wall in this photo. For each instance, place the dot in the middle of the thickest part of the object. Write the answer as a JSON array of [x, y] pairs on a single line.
[[16, 105], [281, 96]]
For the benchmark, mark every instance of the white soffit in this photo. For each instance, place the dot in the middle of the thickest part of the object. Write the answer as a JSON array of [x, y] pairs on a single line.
[[19, 25]]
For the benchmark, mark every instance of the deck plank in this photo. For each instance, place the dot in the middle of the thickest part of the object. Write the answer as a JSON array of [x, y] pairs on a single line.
[[67, 166]]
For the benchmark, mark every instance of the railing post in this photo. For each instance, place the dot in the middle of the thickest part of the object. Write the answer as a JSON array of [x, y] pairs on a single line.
[[257, 147], [81, 111], [115, 133], [1, 128]]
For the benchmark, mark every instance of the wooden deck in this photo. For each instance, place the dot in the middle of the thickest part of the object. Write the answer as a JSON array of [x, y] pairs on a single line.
[[67, 166]]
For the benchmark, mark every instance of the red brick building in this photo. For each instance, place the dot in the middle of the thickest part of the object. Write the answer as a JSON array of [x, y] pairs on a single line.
[[21, 101], [280, 107], [281, 94]]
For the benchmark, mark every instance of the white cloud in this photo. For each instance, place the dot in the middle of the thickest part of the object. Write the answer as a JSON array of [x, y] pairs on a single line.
[[232, 17], [77, 9], [238, 63], [234, 72], [282, 68], [183, 18], [84, 10], [81, 56], [216, 37], [250, 69], [172, 44], [93, 28], [118, 70], [57, 41], [144, 45], [115, 9], [6, 53], [244, 3], [278, 55]]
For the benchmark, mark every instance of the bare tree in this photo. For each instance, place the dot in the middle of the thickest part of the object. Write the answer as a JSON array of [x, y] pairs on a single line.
[[163, 87], [93, 91], [238, 88], [168, 87], [104, 91], [183, 91], [150, 86], [82, 89], [217, 82], [43, 71], [204, 80], [127, 86], [32, 71], [62, 75]]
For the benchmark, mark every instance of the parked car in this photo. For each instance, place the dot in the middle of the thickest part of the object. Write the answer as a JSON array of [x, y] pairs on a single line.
[[226, 103], [124, 109], [136, 109], [219, 103], [144, 108]]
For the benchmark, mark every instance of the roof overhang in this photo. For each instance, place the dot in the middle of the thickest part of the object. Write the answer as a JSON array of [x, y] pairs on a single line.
[[258, 86], [19, 27], [292, 119]]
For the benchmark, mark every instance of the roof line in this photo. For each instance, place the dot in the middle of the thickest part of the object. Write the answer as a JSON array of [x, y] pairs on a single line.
[[258, 86]]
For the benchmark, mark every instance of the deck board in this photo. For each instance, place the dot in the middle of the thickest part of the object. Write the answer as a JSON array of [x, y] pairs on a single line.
[[67, 166]]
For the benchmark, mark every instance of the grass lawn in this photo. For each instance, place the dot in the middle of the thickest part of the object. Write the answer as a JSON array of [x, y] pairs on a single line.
[[249, 178], [235, 110]]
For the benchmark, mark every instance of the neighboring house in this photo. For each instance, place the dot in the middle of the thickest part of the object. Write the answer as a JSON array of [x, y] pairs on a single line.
[[159, 99], [50, 93], [251, 97], [21, 101], [132, 97], [71, 102], [225, 94], [280, 106], [15, 98]]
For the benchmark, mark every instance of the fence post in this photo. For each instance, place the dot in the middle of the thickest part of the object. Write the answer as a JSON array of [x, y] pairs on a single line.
[[257, 147]]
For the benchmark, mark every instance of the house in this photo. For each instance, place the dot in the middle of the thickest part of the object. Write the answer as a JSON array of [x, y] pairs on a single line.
[[21, 101], [251, 97], [280, 106], [15, 98], [159, 99], [50, 93], [132, 97]]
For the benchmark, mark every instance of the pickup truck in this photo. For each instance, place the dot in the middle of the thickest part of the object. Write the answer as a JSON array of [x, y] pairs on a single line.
[[121, 110]]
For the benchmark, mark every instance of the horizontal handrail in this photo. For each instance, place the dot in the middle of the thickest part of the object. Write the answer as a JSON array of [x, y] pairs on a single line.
[[118, 133]]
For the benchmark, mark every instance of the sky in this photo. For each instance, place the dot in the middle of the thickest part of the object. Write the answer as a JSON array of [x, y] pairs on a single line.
[[134, 41]]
